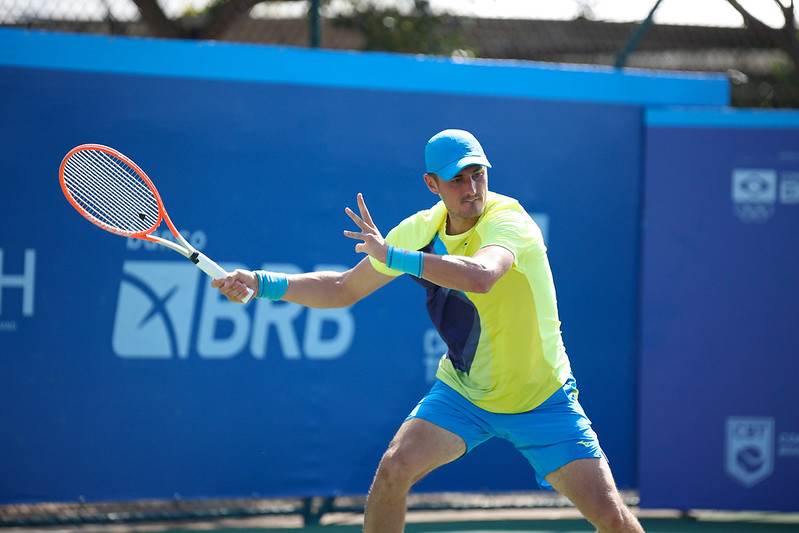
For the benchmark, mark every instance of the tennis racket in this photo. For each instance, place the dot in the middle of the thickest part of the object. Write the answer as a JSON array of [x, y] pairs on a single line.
[[113, 193]]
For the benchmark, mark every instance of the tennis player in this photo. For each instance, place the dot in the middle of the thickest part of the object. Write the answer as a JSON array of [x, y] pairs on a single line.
[[490, 294]]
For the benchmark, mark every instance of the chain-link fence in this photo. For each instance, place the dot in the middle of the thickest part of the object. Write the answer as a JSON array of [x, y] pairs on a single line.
[[757, 59]]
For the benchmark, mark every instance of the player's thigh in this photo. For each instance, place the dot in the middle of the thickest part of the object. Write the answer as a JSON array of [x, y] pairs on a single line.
[[420, 446], [588, 483]]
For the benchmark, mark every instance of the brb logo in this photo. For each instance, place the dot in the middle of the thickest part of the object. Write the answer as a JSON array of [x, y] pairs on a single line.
[[750, 449], [168, 309]]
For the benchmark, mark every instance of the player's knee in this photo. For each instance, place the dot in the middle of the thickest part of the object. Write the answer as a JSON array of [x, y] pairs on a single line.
[[396, 468], [614, 518]]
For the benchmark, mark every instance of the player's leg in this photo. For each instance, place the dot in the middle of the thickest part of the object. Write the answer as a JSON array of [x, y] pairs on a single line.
[[588, 483], [418, 448], [557, 438]]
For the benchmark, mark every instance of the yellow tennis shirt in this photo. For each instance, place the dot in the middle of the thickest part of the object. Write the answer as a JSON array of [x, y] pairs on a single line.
[[505, 351]]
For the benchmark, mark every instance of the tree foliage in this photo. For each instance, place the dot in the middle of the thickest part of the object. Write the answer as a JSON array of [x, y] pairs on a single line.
[[781, 85], [215, 20], [783, 38], [416, 30]]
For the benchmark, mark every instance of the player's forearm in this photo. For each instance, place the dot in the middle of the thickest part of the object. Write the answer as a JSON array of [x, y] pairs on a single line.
[[318, 289], [459, 273]]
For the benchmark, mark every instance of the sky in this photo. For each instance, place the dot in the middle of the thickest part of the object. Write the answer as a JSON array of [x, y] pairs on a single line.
[[697, 12]]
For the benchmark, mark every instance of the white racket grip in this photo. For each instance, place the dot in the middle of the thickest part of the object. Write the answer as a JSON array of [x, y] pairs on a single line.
[[215, 271]]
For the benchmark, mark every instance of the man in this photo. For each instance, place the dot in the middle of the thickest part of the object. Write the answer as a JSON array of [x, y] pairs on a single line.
[[490, 294]]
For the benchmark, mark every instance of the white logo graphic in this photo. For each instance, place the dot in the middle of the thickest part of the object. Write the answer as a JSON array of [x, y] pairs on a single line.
[[168, 309], [754, 185], [155, 309], [24, 281], [788, 445], [754, 193], [749, 449], [789, 188]]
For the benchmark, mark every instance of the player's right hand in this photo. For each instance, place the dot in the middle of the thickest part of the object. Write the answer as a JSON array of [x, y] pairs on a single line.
[[234, 286]]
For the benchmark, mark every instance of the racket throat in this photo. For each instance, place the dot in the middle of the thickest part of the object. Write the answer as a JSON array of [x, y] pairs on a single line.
[[195, 257]]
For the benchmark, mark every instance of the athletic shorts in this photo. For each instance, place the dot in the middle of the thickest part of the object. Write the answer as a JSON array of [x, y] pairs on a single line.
[[553, 434]]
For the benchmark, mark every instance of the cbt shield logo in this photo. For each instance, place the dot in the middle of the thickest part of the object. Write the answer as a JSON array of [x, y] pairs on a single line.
[[153, 317], [750, 449], [754, 193]]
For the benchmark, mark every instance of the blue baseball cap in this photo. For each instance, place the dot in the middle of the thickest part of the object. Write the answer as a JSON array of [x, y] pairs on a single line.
[[447, 152]]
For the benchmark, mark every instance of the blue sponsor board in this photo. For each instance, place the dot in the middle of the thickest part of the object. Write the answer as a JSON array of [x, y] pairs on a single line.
[[719, 426], [124, 375]]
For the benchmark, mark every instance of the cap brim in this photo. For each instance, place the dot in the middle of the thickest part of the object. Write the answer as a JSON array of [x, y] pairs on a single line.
[[449, 171]]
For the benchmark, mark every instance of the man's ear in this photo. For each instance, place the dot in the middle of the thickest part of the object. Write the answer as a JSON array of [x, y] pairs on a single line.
[[432, 182]]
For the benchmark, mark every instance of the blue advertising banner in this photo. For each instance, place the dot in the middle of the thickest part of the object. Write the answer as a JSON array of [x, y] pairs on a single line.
[[719, 427], [125, 375]]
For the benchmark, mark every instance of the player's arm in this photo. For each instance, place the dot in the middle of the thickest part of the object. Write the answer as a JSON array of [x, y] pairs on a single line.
[[335, 289], [323, 289], [468, 274]]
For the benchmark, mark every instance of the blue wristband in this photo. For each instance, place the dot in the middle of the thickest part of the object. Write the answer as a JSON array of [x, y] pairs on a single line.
[[408, 261], [271, 285]]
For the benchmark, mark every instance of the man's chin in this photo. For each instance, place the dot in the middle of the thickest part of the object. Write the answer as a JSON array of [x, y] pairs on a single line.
[[473, 209]]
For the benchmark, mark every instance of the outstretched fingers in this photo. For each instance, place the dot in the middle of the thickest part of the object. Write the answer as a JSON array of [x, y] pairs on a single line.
[[355, 218], [365, 220], [364, 211], [373, 243]]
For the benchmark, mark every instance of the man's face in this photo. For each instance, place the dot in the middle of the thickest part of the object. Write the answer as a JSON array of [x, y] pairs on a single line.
[[464, 196]]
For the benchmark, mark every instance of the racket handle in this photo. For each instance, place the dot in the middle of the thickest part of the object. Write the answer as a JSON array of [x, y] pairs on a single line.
[[215, 271]]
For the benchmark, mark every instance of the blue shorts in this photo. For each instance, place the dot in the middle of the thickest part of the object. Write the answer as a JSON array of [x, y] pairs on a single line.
[[553, 434]]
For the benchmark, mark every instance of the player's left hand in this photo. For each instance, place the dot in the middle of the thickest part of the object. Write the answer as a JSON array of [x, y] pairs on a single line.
[[373, 243]]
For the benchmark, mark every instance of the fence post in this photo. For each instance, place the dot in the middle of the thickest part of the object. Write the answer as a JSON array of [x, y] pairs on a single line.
[[632, 42], [316, 23]]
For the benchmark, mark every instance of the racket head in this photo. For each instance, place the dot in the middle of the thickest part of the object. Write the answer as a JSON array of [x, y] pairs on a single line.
[[111, 191]]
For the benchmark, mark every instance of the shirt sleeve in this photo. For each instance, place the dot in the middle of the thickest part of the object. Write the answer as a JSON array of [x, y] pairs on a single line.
[[513, 229]]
